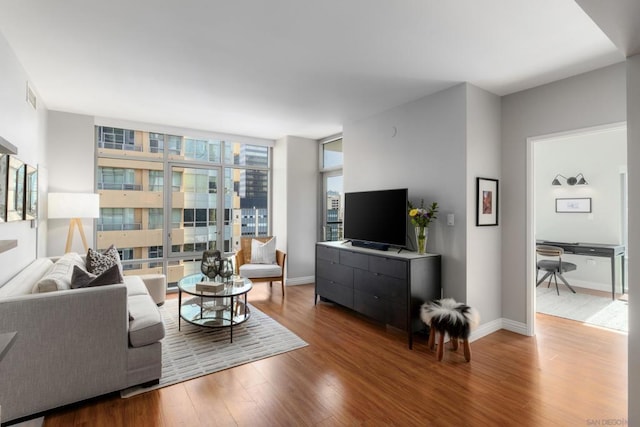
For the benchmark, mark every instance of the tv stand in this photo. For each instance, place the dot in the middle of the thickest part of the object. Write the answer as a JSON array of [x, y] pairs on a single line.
[[370, 245], [388, 287]]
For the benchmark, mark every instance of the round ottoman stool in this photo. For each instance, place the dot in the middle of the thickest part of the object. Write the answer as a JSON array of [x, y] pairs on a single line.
[[448, 317], [156, 285]]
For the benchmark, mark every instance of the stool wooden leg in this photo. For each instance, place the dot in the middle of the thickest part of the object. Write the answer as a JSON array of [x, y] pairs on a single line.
[[467, 350], [440, 346], [454, 344], [432, 338]]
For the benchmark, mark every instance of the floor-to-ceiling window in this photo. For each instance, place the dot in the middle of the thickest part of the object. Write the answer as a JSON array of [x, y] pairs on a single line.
[[332, 194], [167, 198]]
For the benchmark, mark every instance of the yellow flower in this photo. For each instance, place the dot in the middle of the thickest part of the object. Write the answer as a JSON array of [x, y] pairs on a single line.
[[413, 212]]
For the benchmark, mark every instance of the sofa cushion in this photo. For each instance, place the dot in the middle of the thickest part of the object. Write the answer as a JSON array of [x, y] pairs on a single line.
[[260, 270], [83, 279], [98, 262], [58, 277], [146, 326], [23, 282], [263, 253], [135, 286]]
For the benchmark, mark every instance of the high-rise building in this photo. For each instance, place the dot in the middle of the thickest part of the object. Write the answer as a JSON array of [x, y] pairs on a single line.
[[204, 203]]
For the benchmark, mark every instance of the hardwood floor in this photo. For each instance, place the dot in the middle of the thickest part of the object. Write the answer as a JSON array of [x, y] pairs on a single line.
[[356, 372]]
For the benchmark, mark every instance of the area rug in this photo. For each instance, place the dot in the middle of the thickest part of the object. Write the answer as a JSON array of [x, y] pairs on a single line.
[[590, 309], [194, 351]]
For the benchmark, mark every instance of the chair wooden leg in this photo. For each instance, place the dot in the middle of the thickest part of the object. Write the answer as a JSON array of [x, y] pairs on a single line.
[[432, 338], [282, 284], [467, 350], [440, 346]]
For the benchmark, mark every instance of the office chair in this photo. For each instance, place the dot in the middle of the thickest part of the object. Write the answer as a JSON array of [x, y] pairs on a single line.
[[553, 268]]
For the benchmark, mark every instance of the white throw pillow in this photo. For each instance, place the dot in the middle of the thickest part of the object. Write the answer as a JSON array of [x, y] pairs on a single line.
[[263, 253], [58, 277]]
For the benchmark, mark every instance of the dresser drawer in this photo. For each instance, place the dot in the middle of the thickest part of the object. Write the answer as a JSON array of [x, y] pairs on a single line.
[[335, 292], [354, 259], [397, 316], [383, 286], [329, 254], [388, 266], [335, 272], [370, 305]]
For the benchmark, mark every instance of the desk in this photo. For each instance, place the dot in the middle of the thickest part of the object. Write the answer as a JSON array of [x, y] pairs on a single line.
[[597, 250]]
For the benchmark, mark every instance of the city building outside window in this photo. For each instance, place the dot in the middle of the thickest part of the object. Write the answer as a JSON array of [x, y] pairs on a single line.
[[210, 207], [331, 158]]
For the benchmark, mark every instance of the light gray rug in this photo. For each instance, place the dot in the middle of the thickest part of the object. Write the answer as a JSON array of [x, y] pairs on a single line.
[[591, 309], [194, 351]]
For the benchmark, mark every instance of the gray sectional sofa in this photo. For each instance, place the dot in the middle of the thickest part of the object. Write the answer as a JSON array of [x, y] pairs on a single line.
[[75, 344]]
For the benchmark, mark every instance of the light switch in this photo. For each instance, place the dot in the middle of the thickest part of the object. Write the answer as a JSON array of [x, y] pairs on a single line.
[[450, 219]]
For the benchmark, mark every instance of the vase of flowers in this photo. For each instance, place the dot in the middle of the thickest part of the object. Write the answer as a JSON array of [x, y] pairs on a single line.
[[421, 217]]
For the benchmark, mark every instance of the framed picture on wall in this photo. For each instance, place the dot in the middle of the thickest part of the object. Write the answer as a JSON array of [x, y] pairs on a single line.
[[579, 205], [486, 201]]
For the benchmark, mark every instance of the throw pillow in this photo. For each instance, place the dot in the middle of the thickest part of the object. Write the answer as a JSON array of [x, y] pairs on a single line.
[[98, 263], [84, 279], [58, 277], [263, 253]]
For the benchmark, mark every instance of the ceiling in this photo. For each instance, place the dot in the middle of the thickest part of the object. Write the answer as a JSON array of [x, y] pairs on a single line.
[[289, 67]]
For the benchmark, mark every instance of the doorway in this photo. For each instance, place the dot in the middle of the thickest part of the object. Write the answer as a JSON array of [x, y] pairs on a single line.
[[586, 169]]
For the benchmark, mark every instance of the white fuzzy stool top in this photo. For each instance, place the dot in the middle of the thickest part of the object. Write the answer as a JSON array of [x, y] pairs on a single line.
[[446, 315]]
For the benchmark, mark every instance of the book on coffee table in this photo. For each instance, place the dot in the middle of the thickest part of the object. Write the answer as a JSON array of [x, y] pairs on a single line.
[[210, 287]]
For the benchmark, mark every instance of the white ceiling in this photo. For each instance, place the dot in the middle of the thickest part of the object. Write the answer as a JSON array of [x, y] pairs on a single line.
[[289, 67]]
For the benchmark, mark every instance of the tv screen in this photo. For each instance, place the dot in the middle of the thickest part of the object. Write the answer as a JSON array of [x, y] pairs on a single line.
[[376, 216]]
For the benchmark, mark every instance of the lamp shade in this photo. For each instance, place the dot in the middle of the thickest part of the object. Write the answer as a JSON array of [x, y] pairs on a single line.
[[74, 205]]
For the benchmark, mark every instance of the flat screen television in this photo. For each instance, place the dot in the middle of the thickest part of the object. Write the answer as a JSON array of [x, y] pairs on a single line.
[[378, 217]]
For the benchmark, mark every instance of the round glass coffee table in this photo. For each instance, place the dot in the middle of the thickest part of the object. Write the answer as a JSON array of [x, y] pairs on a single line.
[[223, 307]]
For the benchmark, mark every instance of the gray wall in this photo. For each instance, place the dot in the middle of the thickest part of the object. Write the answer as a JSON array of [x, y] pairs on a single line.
[[421, 146], [633, 162], [484, 286], [436, 147], [25, 128], [587, 100]]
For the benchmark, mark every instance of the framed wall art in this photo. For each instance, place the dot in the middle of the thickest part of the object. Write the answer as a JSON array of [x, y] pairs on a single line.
[[578, 205], [486, 201]]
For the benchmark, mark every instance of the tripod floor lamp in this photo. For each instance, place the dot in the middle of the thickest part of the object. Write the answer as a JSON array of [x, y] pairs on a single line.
[[74, 206]]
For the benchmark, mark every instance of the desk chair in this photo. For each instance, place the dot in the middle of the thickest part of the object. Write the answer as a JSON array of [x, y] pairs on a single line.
[[553, 268]]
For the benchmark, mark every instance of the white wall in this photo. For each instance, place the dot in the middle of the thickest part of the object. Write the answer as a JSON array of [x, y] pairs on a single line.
[[600, 155], [71, 162], [484, 285], [295, 208], [587, 100], [420, 145], [633, 163], [25, 128]]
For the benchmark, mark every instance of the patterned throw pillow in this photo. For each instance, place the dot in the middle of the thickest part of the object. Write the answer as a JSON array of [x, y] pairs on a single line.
[[263, 253], [98, 263], [84, 279]]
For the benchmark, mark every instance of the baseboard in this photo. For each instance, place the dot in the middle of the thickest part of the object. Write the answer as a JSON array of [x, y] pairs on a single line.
[[513, 326], [495, 325], [485, 329], [294, 281]]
